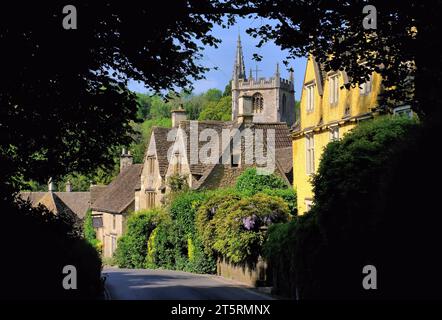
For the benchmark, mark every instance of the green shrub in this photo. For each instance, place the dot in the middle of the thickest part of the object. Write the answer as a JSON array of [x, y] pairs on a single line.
[[163, 247], [279, 252], [200, 261], [178, 183], [177, 244], [132, 246], [220, 200], [251, 183], [183, 210], [234, 226], [89, 231], [288, 195], [350, 226]]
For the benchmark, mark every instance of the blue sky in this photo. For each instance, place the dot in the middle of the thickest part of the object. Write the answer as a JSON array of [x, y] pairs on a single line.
[[223, 57]]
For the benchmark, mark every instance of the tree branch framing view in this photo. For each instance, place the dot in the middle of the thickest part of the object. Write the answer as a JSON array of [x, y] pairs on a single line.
[[339, 215]]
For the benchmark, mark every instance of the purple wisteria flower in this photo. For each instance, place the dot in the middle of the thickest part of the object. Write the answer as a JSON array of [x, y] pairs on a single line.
[[249, 222]]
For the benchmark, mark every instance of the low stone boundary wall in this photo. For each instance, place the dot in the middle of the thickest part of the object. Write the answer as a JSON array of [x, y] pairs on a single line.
[[254, 274]]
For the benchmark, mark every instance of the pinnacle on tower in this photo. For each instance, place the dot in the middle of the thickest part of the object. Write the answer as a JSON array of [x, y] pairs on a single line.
[[239, 69], [292, 77]]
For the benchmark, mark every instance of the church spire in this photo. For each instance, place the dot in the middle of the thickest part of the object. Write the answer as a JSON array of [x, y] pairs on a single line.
[[239, 69]]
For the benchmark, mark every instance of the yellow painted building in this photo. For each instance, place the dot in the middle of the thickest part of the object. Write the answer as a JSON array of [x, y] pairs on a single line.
[[327, 112]]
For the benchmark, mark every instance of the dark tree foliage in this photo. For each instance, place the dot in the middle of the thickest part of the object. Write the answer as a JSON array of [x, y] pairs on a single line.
[[34, 255], [373, 207], [64, 99], [405, 47], [65, 107]]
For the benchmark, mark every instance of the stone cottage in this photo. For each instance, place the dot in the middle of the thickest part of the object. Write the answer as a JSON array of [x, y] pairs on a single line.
[[114, 203]]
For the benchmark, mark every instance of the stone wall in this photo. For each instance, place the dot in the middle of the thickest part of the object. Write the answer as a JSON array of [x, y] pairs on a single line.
[[253, 274]]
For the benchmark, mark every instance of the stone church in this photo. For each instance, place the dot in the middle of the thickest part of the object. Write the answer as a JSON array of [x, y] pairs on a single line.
[[273, 98]]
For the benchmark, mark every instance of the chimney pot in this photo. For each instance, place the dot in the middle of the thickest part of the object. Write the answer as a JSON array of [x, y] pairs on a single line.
[[68, 186], [126, 160], [50, 185], [178, 115]]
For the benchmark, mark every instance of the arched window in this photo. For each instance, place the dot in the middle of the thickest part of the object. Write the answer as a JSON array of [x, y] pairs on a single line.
[[284, 105], [258, 103]]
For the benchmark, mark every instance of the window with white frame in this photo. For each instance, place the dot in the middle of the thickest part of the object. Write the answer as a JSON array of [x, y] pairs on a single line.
[[310, 153], [367, 86], [334, 89], [334, 133], [310, 92]]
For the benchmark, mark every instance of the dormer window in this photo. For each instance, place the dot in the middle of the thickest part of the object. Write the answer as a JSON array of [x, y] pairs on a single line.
[[334, 89], [366, 87], [310, 93], [257, 103]]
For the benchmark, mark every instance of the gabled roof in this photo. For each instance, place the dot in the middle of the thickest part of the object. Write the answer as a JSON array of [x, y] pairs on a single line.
[[221, 175], [282, 133], [32, 197], [96, 191], [120, 193], [199, 168], [321, 75], [284, 158], [77, 202], [53, 203], [162, 146]]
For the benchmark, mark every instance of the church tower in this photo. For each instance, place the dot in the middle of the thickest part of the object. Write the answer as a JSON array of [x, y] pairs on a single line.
[[273, 99]]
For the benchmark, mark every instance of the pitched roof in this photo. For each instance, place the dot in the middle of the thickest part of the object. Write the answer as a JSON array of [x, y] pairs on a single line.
[[77, 202], [51, 201], [162, 146], [220, 175], [199, 168], [32, 197], [96, 191], [284, 157], [282, 133], [120, 193]]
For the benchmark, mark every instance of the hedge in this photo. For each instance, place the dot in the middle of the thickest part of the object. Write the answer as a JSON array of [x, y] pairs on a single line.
[[250, 182], [234, 227], [132, 246]]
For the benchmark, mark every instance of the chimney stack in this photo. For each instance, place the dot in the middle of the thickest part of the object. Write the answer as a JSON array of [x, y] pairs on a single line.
[[126, 160], [68, 186], [177, 116], [50, 185]]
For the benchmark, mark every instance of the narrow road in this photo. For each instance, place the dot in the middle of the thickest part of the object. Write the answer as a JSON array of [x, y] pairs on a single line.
[[140, 284]]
